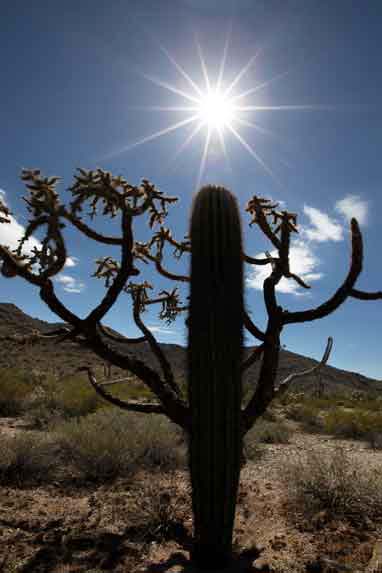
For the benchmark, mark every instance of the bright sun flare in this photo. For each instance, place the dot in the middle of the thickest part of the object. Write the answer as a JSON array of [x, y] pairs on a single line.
[[219, 111], [216, 111]]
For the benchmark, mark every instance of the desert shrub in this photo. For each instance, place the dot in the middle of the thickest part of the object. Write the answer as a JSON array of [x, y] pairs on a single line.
[[332, 482], [307, 414], [25, 458], [111, 443], [160, 509], [74, 397], [14, 389], [265, 432], [356, 424]]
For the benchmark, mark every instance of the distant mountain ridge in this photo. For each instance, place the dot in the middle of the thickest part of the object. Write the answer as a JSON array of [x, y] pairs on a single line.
[[63, 359]]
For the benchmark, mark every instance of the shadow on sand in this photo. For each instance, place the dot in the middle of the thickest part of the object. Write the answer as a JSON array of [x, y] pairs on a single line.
[[178, 563]]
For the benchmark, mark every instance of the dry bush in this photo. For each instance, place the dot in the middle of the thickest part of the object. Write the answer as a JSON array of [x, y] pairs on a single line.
[[356, 424], [264, 432], [269, 432], [332, 482], [307, 414], [25, 458], [112, 443], [14, 389], [160, 509]]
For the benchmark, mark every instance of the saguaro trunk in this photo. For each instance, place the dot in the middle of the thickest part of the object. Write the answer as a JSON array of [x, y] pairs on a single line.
[[214, 378]]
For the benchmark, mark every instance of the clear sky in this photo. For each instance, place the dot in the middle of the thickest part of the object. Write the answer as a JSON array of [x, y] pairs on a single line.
[[81, 84]]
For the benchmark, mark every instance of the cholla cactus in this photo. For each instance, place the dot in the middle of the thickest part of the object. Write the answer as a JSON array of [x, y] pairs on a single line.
[[214, 276]]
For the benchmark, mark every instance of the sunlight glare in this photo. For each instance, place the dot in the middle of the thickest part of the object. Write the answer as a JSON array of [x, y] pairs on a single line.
[[220, 111], [215, 110]]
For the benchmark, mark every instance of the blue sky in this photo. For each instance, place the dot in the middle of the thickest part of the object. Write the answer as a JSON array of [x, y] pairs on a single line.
[[79, 78]]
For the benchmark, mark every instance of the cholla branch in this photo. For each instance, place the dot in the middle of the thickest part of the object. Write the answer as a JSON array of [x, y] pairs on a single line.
[[260, 209], [252, 328], [142, 251], [131, 405], [87, 231], [285, 384], [120, 339], [155, 347], [361, 295], [116, 193], [255, 261], [123, 273], [345, 290], [253, 357], [174, 407], [5, 213]]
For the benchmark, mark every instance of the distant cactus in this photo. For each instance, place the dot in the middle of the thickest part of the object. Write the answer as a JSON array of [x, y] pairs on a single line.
[[213, 416], [215, 345]]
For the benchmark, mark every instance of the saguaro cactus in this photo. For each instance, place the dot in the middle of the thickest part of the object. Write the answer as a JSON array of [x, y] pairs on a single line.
[[214, 371]]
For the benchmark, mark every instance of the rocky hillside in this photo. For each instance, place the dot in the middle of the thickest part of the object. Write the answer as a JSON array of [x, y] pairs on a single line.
[[65, 358]]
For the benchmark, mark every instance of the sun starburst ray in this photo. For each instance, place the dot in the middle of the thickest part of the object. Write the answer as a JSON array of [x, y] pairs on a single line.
[[218, 109], [181, 71], [261, 86], [203, 64], [155, 135], [203, 159], [283, 107], [223, 60], [261, 129], [224, 148], [241, 73], [171, 88], [165, 108], [184, 145], [254, 154]]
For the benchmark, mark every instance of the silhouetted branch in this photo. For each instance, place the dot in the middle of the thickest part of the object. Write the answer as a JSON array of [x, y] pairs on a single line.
[[354, 293], [252, 328], [285, 384], [342, 293], [118, 338], [131, 405], [253, 357]]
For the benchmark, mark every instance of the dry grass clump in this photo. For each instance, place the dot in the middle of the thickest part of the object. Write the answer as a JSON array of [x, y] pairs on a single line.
[[264, 432], [308, 415], [25, 458], [161, 508], [111, 443], [14, 389], [267, 432], [334, 483], [357, 424]]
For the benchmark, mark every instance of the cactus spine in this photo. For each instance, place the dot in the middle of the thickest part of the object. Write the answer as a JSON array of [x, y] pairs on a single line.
[[214, 378]]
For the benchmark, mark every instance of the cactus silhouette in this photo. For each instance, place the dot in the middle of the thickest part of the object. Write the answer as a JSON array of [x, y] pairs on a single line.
[[214, 371], [212, 416]]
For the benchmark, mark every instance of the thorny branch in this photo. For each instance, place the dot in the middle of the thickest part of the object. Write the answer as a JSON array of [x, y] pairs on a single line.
[[115, 196]]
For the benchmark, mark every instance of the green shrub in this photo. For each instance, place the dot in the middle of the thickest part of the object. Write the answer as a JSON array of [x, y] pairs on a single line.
[[356, 424], [112, 443], [306, 414], [265, 432], [14, 389], [25, 458], [332, 482]]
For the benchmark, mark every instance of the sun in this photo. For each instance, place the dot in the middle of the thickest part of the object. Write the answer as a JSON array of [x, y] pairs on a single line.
[[219, 109], [216, 111]]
